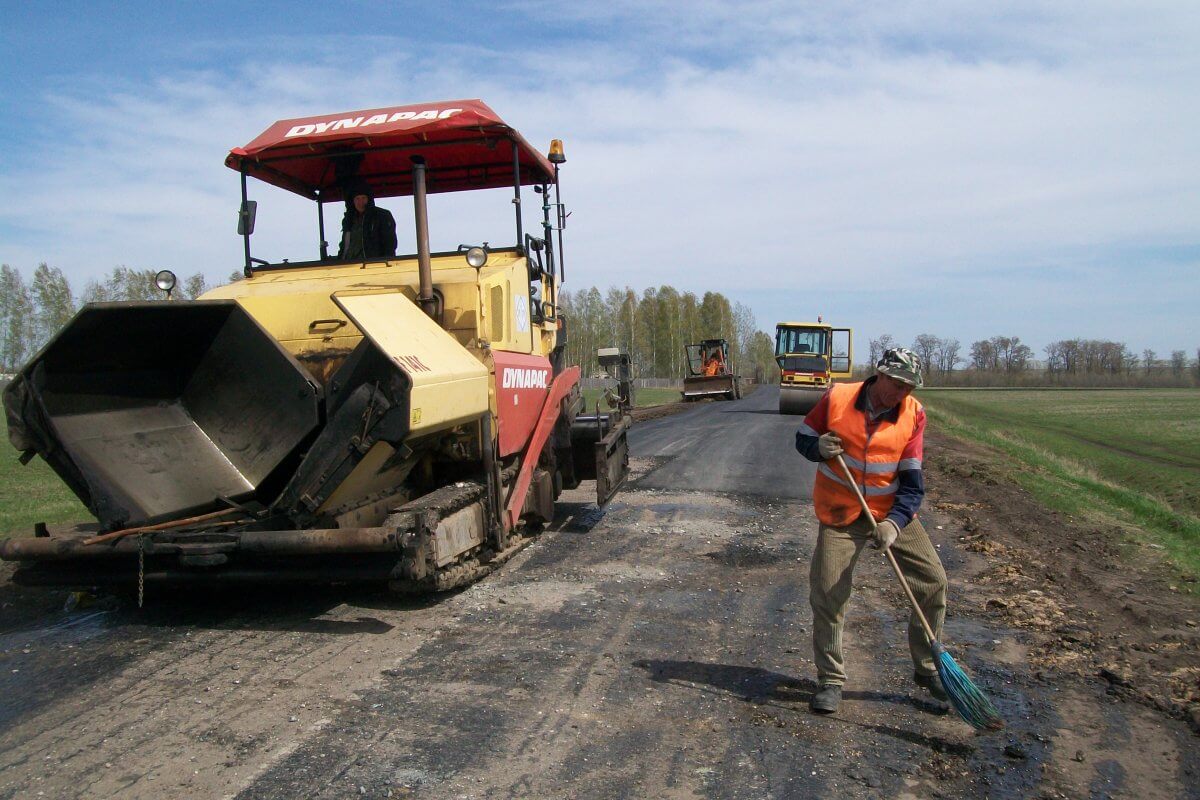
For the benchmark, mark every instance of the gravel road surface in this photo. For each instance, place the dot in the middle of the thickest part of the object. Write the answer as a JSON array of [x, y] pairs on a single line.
[[659, 648]]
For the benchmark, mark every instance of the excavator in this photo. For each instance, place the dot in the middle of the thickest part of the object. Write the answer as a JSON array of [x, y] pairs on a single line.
[[407, 421], [811, 355]]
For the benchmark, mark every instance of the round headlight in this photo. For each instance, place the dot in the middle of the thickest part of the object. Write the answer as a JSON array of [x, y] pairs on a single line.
[[165, 280], [476, 257]]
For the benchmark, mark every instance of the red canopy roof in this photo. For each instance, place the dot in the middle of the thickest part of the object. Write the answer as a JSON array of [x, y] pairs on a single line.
[[464, 143]]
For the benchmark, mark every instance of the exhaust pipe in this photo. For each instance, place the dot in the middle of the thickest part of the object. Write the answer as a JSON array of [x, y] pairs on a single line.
[[425, 297]]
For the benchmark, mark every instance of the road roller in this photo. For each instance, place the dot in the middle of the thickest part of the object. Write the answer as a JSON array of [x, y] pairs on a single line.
[[811, 356]]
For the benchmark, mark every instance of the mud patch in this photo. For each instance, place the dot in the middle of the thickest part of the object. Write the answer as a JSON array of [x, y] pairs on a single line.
[[747, 555], [1101, 755], [622, 571], [1093, 609], [548, 595]]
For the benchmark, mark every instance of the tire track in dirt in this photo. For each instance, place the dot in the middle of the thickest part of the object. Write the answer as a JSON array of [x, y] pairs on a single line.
[[654, 663], [191, 701]]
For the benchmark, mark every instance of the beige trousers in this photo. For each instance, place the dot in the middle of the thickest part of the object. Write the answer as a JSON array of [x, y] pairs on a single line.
[[831, 582]]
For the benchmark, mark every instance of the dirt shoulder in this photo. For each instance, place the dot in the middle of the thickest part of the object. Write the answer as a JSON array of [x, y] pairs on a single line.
[[1095, 606]]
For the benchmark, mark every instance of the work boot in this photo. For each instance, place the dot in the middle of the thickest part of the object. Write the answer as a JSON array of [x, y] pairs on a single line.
[[825, 700], [933, 685]]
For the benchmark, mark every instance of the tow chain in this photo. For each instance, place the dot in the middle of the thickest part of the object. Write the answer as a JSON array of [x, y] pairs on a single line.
[[141, 570]]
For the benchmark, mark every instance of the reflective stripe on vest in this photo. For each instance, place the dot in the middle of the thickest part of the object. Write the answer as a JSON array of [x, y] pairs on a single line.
[[873, 460], [869, 491]]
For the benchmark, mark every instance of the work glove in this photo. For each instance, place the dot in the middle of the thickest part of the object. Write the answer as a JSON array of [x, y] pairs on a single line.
[[885, 534], [829, 445]]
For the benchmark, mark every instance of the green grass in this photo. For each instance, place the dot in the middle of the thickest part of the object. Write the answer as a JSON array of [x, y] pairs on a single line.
[[641, 397], [1130, 459], [33, 493]]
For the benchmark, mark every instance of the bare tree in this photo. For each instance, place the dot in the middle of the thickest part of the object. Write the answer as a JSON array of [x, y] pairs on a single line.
[[1129, 361], [1178, 362], [947, 356], [1055, 361], [926, 347], [983, 356], [1010, 354], [1070, 355], [879, 346], [1022, 354], [1002, 347], [1148, 357], [1113, 357]]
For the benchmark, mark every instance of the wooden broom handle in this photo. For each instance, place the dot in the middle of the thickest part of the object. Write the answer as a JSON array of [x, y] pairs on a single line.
[[887, 550]]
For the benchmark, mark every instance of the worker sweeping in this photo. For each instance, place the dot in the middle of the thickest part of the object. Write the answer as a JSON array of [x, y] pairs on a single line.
[[878, 428]]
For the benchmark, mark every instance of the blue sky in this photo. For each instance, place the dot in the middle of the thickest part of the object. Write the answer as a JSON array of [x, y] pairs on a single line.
[[958, 169]]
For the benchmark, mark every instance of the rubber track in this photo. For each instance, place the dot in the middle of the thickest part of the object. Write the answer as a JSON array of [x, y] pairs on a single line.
[[470, 566]]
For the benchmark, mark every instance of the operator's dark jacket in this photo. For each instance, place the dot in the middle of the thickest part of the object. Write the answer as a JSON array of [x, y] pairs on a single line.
[[379, 231]]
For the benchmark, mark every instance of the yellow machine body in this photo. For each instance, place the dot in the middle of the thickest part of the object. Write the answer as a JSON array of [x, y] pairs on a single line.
[[320, 315], [298, 306], [383, 418]]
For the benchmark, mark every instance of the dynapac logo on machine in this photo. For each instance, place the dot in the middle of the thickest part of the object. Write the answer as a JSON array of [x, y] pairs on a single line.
[[525, 378], [348, 123]]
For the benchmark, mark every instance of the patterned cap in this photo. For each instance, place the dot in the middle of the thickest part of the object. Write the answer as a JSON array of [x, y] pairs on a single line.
[[903, 365]]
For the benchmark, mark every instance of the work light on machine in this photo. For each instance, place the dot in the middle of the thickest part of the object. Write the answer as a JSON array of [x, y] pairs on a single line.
[[165, 281], [477, 257]]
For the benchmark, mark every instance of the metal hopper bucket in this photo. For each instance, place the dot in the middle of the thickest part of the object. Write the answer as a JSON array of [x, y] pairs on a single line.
[[152, 411]]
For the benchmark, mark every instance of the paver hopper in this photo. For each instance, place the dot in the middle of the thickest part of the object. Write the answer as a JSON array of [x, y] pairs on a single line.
[[152, 411]]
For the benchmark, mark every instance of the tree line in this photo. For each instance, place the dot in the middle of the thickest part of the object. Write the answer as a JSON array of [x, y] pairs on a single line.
[[1007, 361], [654, 327], [32, 312]]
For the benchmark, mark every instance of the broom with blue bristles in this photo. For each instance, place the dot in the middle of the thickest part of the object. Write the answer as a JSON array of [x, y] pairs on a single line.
[[970, 703]]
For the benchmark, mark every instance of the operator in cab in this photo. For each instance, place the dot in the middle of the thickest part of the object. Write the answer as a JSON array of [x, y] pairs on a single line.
[[368, 231], [879, 430], [712, 366]]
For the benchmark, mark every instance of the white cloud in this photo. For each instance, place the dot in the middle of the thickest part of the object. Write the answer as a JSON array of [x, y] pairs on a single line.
[[764, 147]]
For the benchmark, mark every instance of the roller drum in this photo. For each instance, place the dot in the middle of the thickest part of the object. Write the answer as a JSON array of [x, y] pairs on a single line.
[[798, 401]]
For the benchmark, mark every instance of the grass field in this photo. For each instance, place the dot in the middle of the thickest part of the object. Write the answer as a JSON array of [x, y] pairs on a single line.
[[1124, 457], [33, 493], [641, 397]]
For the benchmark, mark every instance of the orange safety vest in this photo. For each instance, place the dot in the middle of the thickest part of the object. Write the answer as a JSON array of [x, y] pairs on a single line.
[[873, 458]]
